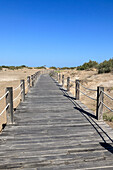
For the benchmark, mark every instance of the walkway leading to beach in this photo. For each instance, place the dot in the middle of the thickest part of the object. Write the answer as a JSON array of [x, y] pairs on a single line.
[[51, 132]]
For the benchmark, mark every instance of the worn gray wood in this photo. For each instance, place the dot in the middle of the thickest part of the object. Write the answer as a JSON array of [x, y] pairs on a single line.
[[59, 77], [28, 81], [100, 97], [22, 89], [32, 80], [51, 132], [77, 90], [9, 100], [68, 83], [62, 80]]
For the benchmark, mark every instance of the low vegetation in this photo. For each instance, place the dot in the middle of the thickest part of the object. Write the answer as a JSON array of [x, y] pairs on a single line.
[[41, 67], [54, 68], [15, 67], [67, 68], [104, 67], [88, 65], [108, 117]]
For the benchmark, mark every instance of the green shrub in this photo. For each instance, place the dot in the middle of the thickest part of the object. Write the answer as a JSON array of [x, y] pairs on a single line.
[[104, 70], [105, 66], [64, 68], [105, 116], [86, 66], [108, 117], [20, 67], [5, 66], [54, 68], [42, 67], [30, 68], [12, 67], [0, 67], [72, 68]]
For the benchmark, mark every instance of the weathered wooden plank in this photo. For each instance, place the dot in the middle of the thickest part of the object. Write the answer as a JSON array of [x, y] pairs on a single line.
[[51, 133]]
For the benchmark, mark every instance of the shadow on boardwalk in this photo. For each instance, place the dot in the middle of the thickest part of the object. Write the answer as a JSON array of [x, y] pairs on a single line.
[[91, 119], [53, 131]]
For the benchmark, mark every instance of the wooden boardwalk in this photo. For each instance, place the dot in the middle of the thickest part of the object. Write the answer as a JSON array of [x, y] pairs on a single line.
[[52, 132]]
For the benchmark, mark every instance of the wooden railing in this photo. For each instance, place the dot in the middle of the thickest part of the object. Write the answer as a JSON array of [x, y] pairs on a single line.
[[15, 95], [77, 86]]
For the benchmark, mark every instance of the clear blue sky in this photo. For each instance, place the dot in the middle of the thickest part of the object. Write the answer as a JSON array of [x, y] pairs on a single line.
[[55, 32]]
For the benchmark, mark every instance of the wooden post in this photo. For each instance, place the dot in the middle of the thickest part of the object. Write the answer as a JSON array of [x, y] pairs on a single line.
[[22, 89], [68, 83], [9, 100], [32, 82], [36, 75], [59, 77], [100, 98], [77, 94], [62, 80], [34, 78], [28, 81]]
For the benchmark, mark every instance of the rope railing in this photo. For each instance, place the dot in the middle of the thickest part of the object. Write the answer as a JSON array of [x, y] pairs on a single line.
[[87, 88], [72, 81], [99, 94], [107, 106], [109, 98], [107, 95], [4, 95], [19, 91], [27, 84], [17, 96], [4, 109], [87, 95], [18, 86], [101, 102], [73, 87]]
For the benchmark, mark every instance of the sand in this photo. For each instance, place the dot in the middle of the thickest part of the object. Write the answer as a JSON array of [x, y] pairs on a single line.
[[11, 78], [92, 79]]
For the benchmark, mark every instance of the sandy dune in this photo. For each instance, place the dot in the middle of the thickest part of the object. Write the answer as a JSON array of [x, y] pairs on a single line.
[[92, 79], [11, 78]]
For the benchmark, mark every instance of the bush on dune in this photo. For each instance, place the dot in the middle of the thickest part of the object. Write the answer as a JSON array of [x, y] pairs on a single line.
[[106, 66], [14, 67], [88, 65], [67, 68], [54, 68], [41, 67]]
